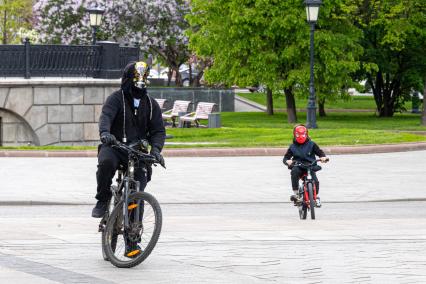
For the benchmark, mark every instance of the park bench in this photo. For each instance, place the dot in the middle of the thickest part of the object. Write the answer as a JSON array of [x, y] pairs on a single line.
[[178, 107], [201, 113], [161, 103]]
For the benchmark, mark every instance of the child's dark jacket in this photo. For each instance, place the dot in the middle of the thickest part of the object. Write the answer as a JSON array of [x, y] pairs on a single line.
[[304, 153]]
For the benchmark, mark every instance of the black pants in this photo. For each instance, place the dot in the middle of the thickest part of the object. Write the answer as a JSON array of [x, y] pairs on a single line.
[[296, 173], [109, 160]]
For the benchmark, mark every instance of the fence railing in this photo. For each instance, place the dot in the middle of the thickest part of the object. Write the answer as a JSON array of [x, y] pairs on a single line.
[[103, 60]]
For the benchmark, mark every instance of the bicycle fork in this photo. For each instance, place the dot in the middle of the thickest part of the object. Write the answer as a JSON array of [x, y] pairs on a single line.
[[309, 180]]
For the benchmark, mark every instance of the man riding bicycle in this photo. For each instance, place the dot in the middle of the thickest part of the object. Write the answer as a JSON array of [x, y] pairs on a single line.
[[128, 115], [302, 150]]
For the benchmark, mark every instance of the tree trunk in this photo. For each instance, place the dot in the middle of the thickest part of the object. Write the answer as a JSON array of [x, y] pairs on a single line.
[[4, 41], [384, 94], [197, 79], [169, 77], [178, 78], [190, 74], [321, 107], [269, 102], [291, 106], [424, 105], [388, 104]]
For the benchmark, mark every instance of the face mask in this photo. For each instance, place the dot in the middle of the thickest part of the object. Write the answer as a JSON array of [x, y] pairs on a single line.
[[300, 134], [141, 75]]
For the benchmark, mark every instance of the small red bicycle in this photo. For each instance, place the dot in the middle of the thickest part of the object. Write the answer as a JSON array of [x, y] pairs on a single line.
[[307, 190]]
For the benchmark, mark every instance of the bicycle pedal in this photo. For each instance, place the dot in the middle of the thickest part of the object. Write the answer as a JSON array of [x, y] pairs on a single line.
[[133, 253], [132, 206]]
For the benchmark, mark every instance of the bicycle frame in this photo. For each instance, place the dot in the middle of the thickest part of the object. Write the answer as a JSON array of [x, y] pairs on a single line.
[[128, 181], [307, 178], [303, 193], [125, 180]]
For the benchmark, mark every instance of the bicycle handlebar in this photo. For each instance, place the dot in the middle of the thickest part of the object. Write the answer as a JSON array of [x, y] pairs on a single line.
[[146, 157], [296, 163]]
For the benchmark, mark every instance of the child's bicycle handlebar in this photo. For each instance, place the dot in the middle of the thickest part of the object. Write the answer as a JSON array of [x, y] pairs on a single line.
[[310, 165]]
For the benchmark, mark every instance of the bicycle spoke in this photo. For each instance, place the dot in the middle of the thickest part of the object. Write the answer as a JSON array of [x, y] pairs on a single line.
[[141, 235]]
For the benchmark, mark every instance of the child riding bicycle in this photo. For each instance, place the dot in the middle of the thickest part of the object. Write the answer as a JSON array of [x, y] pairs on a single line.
[[302, 150]]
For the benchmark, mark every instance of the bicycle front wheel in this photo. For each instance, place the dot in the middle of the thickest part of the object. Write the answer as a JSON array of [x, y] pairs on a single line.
[[311, 200], [128, 247], [111, 204]]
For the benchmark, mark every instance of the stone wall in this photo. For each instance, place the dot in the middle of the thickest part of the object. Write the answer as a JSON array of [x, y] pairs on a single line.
[[59, 111]]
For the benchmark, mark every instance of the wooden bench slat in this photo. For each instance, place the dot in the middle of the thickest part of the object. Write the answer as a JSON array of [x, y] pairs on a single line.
[[178, 106], [202, 112]]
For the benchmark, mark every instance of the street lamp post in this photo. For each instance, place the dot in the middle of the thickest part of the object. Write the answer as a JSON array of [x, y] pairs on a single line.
[[95, 20], [312, 9]]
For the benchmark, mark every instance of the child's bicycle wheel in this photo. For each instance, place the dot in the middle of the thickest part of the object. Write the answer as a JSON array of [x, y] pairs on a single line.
[[311, 200]]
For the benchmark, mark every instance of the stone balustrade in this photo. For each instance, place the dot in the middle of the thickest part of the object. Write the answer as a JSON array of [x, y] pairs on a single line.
[[65, 111]]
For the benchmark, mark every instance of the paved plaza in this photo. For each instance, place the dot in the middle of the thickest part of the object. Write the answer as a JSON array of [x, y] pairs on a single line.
[[226, 220]]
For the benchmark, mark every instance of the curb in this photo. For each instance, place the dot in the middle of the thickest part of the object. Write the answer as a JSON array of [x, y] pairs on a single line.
[[226, 152]]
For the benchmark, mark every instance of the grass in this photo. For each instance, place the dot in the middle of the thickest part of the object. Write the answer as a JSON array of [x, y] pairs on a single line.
[[352, 103], [260, 130]]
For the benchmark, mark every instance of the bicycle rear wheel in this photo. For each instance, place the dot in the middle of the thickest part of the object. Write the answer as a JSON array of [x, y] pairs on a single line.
[[311, 200], [141, 236]]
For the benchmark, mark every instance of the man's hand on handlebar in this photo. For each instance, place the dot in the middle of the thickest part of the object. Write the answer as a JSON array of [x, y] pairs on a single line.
[[324, 159], [289, 162], [108, 139], [156, 153]]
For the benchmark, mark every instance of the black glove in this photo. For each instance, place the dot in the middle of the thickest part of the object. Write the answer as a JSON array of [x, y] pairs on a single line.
[[156, 153], [108, 139]]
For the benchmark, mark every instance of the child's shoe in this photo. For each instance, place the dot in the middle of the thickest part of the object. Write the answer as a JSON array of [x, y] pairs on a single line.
[[295, 199], [318, 202]]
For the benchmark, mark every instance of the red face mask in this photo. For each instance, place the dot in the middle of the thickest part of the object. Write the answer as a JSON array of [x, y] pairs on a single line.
[[300, 134]]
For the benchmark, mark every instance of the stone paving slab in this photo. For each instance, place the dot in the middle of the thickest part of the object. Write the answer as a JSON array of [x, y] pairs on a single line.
[[224, 243], [347, 178]]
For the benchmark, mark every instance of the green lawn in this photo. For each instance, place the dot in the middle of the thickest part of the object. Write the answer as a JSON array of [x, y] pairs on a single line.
[[260, 130], [351, 103]]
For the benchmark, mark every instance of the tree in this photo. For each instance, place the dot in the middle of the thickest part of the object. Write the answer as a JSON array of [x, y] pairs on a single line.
[[238, 35], [156, 25], [200, 65], [61, 22], [267, 42], [423, 117], [394, 37], [14, 14]]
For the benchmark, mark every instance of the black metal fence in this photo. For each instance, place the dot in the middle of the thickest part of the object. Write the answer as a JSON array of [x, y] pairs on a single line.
[[104, 60]]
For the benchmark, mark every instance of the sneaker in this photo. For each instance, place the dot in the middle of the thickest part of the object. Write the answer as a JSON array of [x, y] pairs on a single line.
[[318, 202], [132, 250], [295, 199], [100, 209]]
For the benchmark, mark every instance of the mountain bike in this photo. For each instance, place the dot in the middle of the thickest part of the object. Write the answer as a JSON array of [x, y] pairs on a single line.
[[307, 189], [132, 224]]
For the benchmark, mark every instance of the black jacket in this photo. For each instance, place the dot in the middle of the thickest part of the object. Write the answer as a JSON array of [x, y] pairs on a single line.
[[304, 153], [146, 122]]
